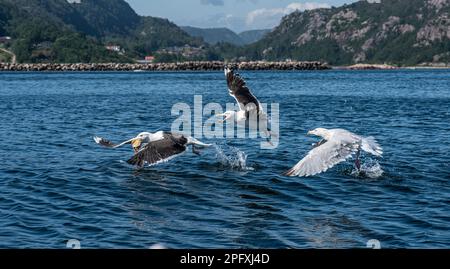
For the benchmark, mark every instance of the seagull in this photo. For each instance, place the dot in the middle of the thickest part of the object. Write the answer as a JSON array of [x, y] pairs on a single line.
[[337, 146], [249, 106], [156, 148]]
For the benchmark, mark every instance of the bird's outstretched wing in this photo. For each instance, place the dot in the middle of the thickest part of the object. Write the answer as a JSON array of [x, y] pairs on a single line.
[[239, 90], [324, 157], [107, 143], [159, 151]]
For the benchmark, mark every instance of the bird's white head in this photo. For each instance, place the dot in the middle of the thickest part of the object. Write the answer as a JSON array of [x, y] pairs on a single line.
[[319, 132], [227, 70], [143, 137], [226, 116]]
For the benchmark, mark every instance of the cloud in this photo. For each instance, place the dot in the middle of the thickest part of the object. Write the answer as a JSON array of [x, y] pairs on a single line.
[[251, 1], [212, 2], [264, 18], [222, 2], [306, 6], [268, 18]]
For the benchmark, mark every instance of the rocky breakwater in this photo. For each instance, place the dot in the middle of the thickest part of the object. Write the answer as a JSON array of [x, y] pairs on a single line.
[[371, 67], [182, 66]]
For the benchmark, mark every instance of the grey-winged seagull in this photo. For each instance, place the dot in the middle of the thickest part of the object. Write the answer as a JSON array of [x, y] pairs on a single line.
[[337, 146]]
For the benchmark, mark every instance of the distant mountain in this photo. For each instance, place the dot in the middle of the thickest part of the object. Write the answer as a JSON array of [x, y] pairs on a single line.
[[392, 31], [77, 30], [214, 35], [224, 35], [253, 36]]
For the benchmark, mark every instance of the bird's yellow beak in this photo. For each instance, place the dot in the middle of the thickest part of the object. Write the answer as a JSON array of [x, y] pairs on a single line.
[[136, 144]]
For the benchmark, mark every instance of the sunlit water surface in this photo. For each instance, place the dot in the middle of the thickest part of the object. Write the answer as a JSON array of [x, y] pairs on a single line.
[[56, 184]]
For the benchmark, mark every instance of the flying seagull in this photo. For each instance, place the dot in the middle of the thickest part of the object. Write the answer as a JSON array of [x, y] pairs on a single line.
[[337, 146], [250, 108], [156, 148]]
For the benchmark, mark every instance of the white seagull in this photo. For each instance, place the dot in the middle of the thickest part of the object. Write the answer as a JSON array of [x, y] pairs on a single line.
[[250, 108], [156, 148], [337, 146]]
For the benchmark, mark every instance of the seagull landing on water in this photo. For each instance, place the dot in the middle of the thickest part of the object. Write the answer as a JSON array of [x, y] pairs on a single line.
[[337, 146], [250, 108], [156, 148]]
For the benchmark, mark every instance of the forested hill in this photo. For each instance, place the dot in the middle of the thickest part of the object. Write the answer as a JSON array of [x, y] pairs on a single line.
[[77, 30], [392, 31]]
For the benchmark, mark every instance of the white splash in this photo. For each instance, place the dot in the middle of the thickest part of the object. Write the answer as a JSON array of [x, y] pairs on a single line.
[[232, 157], [370, 169]]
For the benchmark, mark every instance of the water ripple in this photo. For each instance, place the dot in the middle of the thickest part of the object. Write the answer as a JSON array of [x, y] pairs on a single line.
[[56, 185]]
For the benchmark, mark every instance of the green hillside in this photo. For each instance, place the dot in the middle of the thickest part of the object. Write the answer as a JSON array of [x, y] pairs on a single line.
[[59, 31]]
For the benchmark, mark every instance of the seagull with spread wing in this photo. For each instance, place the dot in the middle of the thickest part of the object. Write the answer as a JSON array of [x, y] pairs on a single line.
[[156, 148], [337, 146], [250, 108]]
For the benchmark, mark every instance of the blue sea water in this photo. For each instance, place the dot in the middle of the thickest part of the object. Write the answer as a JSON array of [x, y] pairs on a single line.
[[56, 184]]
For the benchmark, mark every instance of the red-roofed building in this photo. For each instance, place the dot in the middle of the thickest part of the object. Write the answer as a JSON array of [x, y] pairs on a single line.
[[150, 58]]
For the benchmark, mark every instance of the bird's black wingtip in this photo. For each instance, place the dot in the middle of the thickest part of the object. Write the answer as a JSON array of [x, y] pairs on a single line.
[[230, 68], [133, 161], [288, 173]]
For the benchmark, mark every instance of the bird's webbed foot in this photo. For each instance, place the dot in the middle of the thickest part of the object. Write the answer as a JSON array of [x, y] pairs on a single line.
[[358, 162], [196, 151]]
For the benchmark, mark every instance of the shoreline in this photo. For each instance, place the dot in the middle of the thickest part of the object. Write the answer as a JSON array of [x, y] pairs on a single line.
[[202, 66], [389, 67]]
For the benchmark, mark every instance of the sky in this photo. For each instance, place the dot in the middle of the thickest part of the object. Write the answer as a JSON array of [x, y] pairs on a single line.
[[237, 15]]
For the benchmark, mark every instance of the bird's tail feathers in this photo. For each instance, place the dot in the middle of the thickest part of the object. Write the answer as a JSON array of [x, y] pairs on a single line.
[[195, 142], [370, 145]]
